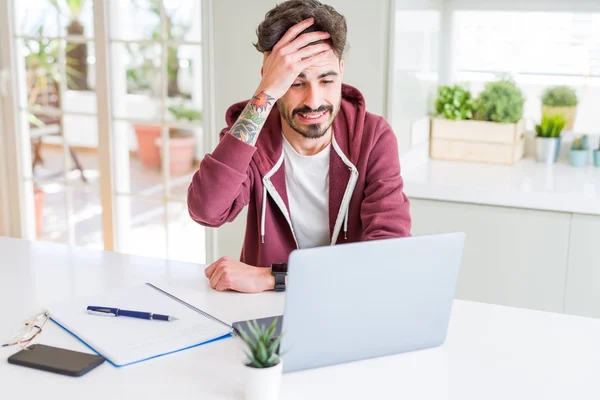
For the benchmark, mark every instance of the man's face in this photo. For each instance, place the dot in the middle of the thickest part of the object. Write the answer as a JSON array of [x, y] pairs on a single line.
[[313, 101]]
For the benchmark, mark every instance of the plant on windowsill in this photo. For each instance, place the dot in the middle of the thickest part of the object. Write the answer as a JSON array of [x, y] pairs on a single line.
[[486, 129], [597, 156], [263, 366], [182, 141], [561, 99], [578, 155], [548, 138]]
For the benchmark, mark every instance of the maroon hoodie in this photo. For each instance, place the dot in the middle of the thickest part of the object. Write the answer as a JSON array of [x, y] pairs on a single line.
[[366, 200]]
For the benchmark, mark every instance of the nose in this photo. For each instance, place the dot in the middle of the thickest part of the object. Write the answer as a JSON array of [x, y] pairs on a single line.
[[314, 97]]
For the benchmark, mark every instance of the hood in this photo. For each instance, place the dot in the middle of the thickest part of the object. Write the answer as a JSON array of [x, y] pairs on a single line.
[[348, 128]]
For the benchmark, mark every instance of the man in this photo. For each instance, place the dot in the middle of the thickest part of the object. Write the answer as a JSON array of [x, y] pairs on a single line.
[[315, 170]]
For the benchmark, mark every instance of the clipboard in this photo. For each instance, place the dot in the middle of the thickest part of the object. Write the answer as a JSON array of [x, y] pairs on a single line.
[[125, 341]]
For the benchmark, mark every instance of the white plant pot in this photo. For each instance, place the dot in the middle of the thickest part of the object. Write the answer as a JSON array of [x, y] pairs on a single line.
[[263, 383]]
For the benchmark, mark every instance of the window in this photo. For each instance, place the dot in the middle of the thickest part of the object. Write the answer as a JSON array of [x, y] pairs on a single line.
[[538, 49], [155, 108]]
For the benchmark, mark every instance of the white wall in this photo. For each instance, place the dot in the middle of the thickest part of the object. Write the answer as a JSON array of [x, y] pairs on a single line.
[[237, 66]]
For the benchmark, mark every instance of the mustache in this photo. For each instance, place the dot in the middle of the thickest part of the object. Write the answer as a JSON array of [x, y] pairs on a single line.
[[306, 110]]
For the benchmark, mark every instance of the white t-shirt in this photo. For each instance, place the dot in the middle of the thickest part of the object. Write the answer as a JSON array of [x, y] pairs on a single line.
[[307, 185]]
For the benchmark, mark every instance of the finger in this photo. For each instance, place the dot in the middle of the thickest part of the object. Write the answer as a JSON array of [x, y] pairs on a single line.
[[294, 31], [304, 40], [223, 283], [314, 59], [312, 50], [214, 279], [211, 269]]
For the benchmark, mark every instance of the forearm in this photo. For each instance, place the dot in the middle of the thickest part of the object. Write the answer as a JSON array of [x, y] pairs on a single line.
[[253, 117]]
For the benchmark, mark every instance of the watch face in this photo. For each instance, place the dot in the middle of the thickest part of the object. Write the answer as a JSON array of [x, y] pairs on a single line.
[[279, 267]]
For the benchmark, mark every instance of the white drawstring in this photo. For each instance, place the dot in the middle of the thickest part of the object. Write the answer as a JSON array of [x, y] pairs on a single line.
[[264, 211], [346, 225]]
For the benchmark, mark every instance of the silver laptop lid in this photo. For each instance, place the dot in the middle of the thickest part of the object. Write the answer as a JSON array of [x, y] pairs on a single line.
[[362, 300]]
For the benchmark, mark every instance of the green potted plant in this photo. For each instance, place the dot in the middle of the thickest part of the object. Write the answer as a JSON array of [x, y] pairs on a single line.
[[597, 156], [263, 366], [561, 99], [547, 141], [454, 102], [182, 141], [578, 155], [500, 101], [486, 129]]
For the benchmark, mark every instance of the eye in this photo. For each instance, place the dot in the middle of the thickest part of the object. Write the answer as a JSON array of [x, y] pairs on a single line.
[[297, 84], [327, 81]]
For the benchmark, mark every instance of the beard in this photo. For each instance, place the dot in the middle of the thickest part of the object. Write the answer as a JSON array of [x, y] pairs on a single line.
[[309, 131]]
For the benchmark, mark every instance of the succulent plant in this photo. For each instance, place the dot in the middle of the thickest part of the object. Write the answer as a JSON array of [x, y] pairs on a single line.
[[262, 344], [580, 143], [454, 102], [551, 125], [500, 101], [559, 96]]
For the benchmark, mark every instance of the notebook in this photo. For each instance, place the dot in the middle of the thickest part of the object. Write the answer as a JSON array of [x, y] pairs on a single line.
[[125, 340]]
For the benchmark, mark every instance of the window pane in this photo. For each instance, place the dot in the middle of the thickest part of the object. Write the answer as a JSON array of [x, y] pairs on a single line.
[[539, 50], [183, 19], [137, 84], [186, 237], [134, 19], [36, 18], [77, 17], [86, 217]]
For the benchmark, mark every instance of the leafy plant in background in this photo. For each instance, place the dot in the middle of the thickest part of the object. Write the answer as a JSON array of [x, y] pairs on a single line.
[[559, 96], [77, 53], [551, 126], [580, 143], [454, 102], [262, 344], [183, 113], [500, 101], [173, 32]]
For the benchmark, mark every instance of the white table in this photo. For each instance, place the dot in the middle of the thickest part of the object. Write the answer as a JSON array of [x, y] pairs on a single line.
[[491, 352]]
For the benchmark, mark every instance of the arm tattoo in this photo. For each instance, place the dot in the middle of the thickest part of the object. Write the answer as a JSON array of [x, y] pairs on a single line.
[[252, 119]]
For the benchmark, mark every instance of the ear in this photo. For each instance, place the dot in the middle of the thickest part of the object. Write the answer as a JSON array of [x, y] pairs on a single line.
[[342, 67]]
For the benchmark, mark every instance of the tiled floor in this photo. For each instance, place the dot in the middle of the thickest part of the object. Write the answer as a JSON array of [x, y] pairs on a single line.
[[143, 229]]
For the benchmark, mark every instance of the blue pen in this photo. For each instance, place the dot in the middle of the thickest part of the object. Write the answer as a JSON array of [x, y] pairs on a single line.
[[117, 312]]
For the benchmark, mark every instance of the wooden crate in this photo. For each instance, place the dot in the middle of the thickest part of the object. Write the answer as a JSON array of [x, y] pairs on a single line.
[[477, 141]]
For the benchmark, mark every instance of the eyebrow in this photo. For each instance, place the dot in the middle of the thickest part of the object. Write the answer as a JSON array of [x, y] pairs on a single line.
[[302, 75]]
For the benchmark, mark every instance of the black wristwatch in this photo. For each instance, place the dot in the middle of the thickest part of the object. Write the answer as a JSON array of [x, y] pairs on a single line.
[[279, 271]]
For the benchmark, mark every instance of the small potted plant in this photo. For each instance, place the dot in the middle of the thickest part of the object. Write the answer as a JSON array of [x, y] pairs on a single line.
[[597, 156], [547, 141], [561, 99], [454, 102], [263, 366], [578, 155], [182, 141]]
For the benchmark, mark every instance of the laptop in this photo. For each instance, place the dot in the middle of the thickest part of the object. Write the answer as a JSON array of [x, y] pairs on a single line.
[[357, 301]]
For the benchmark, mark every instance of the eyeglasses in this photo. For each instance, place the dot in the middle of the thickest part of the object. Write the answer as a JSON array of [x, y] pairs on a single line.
[[33, 327]]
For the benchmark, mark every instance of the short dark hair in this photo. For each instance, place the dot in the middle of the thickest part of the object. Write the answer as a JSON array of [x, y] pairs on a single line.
[[287, 14]]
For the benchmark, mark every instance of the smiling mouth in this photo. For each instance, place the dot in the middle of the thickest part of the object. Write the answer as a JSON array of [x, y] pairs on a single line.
[[313, 116]]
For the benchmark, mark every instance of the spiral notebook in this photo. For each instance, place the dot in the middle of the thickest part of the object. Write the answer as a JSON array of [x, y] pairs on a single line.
[[124, 340]]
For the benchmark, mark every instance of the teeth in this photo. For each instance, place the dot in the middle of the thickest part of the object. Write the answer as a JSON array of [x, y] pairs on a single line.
[[312, 116]]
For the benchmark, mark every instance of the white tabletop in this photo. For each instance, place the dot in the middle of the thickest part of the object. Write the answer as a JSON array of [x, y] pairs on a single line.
[[491, 352], [527, 184]]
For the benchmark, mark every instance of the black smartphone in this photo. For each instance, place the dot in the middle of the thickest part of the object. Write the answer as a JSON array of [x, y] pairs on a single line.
[[54, 359]]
